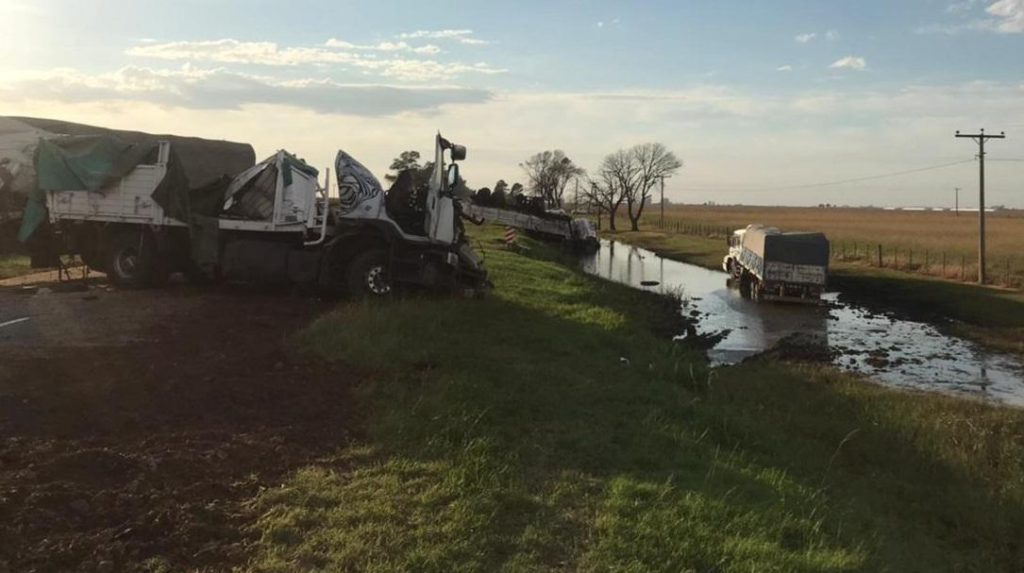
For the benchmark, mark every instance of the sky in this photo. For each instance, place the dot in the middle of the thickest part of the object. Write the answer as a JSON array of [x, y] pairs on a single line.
[[783, 102]]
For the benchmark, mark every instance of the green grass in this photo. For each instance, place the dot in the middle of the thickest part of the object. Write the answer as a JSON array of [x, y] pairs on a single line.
[[992, 316], [548, 428], [14, 265]]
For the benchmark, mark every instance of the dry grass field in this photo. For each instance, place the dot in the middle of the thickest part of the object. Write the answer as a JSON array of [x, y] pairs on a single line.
[[861, 230]]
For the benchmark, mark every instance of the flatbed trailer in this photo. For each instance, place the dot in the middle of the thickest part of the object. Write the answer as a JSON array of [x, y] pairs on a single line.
[[577, 232]]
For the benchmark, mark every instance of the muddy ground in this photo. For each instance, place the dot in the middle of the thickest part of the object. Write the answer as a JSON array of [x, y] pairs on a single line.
[[136, 424]]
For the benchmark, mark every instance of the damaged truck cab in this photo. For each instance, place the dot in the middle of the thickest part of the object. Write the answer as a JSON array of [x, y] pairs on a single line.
[[423, 244]]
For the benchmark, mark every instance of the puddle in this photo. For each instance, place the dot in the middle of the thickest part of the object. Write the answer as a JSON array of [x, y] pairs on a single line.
[[891, 350]]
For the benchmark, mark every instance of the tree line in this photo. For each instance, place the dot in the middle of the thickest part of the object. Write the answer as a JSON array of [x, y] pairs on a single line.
[[627, 177]]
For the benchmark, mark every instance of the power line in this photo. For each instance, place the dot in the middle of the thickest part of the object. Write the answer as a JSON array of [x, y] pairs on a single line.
[[830, 183]]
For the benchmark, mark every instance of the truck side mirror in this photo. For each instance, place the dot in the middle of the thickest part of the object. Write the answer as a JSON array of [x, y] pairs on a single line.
[[458, 152], [453, 174]]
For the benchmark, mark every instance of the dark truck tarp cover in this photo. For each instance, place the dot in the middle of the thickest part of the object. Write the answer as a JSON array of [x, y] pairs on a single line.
[[797, 249], [98, 156], [204, 160]]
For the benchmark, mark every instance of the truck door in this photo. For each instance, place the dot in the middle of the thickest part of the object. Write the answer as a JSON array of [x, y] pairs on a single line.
[[440, 216]]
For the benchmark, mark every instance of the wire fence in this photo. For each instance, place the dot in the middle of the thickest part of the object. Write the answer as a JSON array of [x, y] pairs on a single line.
[[1004, 271]]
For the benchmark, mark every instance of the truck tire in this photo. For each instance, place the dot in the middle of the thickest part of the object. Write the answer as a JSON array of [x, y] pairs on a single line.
[[745, 284], [133, 262], [367, 274]]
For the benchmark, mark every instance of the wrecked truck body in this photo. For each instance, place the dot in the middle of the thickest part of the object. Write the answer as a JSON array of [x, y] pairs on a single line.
[[127, 208]]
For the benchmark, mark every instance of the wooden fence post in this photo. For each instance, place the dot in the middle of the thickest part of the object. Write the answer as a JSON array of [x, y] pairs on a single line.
[[943, 264], [963, 263], [880, 255]]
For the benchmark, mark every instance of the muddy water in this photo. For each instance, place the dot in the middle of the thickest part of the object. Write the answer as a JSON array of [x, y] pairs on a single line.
[[891, 350]]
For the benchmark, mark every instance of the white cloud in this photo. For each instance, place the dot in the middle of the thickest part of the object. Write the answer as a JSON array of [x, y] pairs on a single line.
[[428, 49], [229, 51], [1010, 14], [195, 88], [460, 36], [850, 63], [961, 6], [1005, 17], [808, 37], [785, 68]]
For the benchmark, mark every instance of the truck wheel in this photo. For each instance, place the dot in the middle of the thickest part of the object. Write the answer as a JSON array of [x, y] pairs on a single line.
[[745, 284], [368, 274], [132, 261]]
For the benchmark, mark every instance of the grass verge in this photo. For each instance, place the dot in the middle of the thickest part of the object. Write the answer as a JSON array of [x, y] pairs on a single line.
[[14, 266], [548, 428]]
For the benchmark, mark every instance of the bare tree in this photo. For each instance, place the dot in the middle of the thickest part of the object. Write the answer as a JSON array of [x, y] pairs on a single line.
[[648, 163], [605, 189], [628, 176], [550, 173]]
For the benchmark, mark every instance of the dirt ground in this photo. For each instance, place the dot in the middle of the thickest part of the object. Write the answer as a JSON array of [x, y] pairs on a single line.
[[136, 424]]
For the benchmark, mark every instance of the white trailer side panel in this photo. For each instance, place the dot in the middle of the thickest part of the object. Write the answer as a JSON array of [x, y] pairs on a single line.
[[795, 274], [129, 200]]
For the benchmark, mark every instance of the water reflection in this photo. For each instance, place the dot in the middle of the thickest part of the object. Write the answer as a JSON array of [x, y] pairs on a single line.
[[896, 352]]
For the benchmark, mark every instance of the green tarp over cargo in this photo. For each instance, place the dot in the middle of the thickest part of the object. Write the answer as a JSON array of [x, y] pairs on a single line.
[[93, 163], [291, 162], [204, 160], [78, 156]]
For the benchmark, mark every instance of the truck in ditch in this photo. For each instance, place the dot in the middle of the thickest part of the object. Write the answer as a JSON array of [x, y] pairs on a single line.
[[127, 204], [770, 265]]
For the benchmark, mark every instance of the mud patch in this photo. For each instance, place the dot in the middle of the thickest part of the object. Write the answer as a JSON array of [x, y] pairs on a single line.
[[142, 455]]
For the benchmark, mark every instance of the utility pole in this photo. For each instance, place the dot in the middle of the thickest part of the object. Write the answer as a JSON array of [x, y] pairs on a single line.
[[980, 139], [957, 204], [662, 224]]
